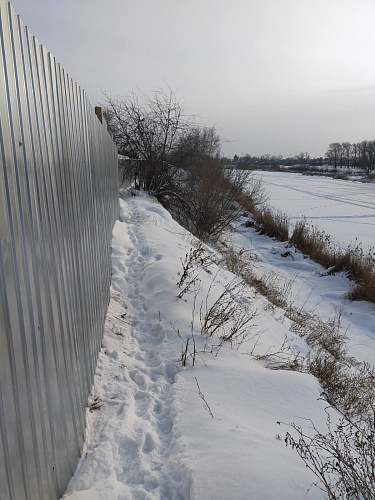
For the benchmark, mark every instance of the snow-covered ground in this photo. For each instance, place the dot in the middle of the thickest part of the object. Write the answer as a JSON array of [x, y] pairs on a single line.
[[150, 435], [343, 209]]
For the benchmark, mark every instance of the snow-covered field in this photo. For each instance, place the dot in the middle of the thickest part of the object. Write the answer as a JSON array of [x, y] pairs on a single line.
[[151, 435], [343, 209]]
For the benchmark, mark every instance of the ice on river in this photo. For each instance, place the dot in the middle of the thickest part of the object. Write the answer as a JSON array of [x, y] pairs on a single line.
[[343, 209]]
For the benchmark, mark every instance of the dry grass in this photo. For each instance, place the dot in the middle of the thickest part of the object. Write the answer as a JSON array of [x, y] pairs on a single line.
[[273, 224], [347, 385], [241, 263], [316, 244], [267, 221], [359, 266], [319, 334], [350, 390]]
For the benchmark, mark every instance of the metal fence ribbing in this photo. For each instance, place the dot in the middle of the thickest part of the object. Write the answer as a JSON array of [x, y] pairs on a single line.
[[58, 203]]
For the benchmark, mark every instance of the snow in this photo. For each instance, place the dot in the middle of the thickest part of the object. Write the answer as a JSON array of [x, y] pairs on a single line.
[[343, 209], [309, 286], [153, 437]]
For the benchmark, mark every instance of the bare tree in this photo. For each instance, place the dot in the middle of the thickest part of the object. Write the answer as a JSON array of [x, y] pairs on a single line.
[[148, 128], [347, 150], [355, 153], [371, 155], [176, 159], [363, 149], [334, 153]]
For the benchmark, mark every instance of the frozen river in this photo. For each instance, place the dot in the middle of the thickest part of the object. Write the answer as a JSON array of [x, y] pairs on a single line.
[[343, 209]]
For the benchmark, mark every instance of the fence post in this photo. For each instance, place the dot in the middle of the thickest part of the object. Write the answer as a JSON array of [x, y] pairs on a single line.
[[99, 113]]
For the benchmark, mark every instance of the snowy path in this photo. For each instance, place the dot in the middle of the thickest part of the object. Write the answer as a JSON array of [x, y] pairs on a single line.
[[128, 452], [149, 434]]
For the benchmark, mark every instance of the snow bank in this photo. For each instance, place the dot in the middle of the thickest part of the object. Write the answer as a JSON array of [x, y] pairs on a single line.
[[151, 435]]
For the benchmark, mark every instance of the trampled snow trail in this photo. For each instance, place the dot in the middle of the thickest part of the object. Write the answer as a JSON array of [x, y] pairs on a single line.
[[149, 434], [130, 437]]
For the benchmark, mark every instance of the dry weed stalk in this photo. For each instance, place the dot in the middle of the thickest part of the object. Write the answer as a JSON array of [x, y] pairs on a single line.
[[317, 333], [188, 352], [229, 317], [283, 358], [189, 276], [342, 458], [95, 404], [201, 395]]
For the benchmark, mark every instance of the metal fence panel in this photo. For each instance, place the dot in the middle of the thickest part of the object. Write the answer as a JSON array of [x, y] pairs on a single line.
[[58, 203]]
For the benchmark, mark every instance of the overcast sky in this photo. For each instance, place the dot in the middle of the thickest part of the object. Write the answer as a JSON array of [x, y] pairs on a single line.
[[274, 76]]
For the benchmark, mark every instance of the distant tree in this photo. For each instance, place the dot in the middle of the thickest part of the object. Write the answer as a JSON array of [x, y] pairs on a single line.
[[333, 153], [355, 153], [347, 150], [302, 159], [370, 155], [361, 154], [363, 150], [245, 162]]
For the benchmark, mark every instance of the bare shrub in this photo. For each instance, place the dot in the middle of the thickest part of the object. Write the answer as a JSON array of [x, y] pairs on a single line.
[[148, 128], [189, 277], [210, 194], [342, 458], [229, 317], [283, 358]]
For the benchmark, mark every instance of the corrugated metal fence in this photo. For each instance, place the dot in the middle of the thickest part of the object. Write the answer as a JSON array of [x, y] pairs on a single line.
[[58, 203]]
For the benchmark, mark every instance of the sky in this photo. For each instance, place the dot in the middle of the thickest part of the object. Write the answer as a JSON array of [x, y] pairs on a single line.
[[273, 76]]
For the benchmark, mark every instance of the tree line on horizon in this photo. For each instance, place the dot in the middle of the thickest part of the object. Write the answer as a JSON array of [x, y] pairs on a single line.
[[345, 154], [359, 154]]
